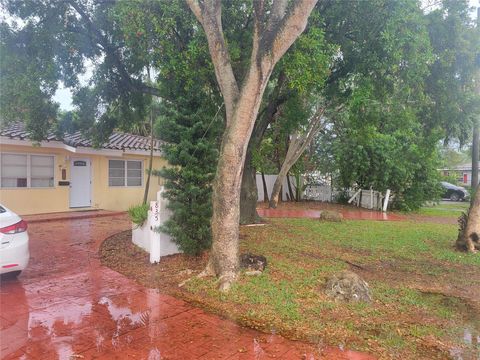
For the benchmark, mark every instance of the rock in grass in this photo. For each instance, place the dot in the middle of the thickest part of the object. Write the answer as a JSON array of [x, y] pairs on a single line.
[[334, 216], [251, 263], [348, 286]]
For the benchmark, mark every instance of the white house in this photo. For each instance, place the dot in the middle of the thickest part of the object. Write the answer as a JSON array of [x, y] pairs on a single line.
[[463, 173]]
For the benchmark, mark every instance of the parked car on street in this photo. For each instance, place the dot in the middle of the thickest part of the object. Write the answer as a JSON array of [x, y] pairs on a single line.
[[14, 252], [454, 192]]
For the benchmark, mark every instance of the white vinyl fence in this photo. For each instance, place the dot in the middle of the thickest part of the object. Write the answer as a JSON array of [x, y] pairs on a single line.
[[371, 199], [323, 193], [270, 180], [368, 199]]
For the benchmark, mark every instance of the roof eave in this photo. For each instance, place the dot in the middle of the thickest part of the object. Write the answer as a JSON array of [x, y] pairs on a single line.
[[84, 150]]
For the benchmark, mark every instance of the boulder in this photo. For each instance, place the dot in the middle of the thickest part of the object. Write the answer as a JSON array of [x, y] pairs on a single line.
[[253, 263], [328, 215], [348, 286]]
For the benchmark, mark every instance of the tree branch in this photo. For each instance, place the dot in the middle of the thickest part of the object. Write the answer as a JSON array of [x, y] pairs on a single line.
[[208, 13], [279, 9], [315, 125], [265, 117], [112, 53], [282, 36]]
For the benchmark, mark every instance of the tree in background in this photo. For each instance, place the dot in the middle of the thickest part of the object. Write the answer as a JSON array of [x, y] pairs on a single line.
[[298, 142], [476, 125], [453, 87], [28, 76], [60, 39], [453, 104], [395, 76], [471, 236]]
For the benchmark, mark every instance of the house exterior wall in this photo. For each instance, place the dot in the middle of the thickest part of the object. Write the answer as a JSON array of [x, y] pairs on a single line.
[[464, 177], [25, 201]]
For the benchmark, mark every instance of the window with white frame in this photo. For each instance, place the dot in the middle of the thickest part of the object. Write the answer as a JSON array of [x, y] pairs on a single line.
[[25, 170], [125, 172]]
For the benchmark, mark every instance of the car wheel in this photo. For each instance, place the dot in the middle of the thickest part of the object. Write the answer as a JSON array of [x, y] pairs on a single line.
[[454, 197]]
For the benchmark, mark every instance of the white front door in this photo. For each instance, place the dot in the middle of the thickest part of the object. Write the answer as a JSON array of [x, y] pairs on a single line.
[[80, 183]]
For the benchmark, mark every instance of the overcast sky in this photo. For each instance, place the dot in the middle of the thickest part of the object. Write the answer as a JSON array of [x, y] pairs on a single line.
[[64, 96]]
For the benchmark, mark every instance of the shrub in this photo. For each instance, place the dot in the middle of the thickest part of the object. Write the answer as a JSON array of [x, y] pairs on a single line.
[[138, 214], [191, 134]]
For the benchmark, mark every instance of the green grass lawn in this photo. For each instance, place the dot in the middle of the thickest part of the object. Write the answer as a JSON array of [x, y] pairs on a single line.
[[423, 290], [444, 209]]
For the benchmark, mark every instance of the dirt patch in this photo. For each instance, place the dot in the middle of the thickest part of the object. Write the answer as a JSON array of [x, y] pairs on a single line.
[[119, 253], [411, 274]]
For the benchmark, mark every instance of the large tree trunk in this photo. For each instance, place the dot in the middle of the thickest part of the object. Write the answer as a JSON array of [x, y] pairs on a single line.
[[476, 126], [274, 32], [475, 153], [471, 235], [249, 193], [472, 231], [224, 257], [265, 189]]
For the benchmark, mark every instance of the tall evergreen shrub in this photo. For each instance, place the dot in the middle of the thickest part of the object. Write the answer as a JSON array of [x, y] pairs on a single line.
[[190, 127]]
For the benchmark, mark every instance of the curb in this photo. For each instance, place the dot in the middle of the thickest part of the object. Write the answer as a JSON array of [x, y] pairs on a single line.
[[70, 217]]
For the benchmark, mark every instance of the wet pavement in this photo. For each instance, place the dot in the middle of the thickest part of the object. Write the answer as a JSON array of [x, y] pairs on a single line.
[[67, 306], [348, 214]]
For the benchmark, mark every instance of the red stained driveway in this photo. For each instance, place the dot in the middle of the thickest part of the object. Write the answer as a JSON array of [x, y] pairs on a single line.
[[67, 306]]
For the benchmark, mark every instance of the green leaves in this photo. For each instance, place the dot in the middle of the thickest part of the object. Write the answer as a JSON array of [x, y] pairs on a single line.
[[307, 63], [191, 129], [454, 104], [138, 214]]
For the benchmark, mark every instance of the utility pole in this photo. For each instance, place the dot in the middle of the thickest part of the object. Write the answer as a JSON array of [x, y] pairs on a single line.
[[476, 125]]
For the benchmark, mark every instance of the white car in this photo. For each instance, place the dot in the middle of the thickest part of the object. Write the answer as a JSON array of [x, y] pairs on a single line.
[[14, 253]]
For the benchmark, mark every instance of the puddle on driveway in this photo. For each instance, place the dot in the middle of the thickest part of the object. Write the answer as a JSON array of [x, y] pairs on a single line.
[[132, 322]]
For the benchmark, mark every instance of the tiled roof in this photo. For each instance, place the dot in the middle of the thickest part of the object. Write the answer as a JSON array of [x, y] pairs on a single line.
[[116, 141], [462, 167]]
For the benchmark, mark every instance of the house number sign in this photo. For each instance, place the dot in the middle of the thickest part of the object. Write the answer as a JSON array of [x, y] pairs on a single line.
[[155, 213], [79, 163]]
